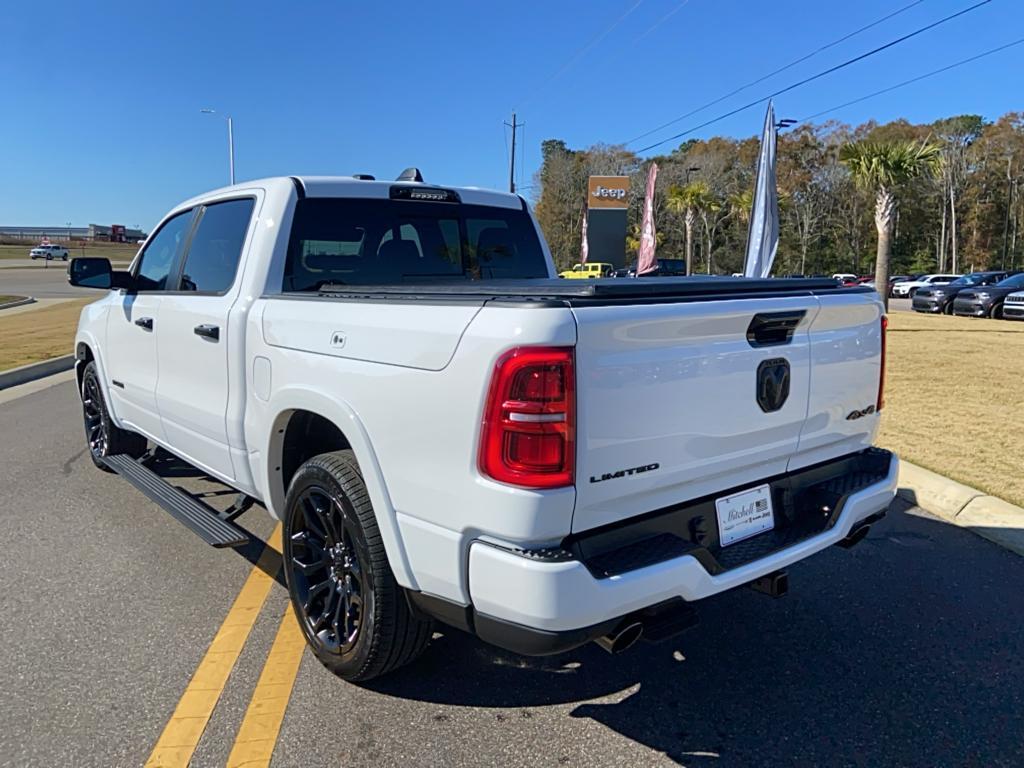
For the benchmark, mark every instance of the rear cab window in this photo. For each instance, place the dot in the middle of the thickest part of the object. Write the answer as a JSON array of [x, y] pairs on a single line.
[[376, 241]]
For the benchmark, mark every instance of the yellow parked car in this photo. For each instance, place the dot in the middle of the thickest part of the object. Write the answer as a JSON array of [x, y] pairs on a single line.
[[584, 271]]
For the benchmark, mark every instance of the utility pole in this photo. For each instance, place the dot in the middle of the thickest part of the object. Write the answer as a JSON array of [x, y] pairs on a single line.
[[1009, 200], [512, 159]]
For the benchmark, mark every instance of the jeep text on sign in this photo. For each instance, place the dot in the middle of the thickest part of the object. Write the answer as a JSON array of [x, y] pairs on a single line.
[[608, 192]]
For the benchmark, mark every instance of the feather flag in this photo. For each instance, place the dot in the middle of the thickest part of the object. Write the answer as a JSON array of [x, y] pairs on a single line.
[[645, 261], [763, 233], [584, 246]]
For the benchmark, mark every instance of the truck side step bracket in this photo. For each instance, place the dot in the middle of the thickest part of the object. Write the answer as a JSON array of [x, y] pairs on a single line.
[[193, 514]]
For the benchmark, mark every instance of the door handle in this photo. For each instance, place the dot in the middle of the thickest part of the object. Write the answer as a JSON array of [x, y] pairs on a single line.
[[207, 332], [145, 322]]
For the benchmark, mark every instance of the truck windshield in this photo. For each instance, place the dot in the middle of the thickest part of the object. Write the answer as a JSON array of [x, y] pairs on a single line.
[[360, 241]]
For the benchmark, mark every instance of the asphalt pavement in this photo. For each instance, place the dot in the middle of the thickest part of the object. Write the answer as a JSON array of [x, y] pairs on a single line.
[[906, 650], [50, 282]]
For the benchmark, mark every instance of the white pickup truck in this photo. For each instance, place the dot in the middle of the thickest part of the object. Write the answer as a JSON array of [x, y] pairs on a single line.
[[447, 431]]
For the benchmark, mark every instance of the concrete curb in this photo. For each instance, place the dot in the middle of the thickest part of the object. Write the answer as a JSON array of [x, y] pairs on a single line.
[[963, 506], [33, 371], [18, 303]]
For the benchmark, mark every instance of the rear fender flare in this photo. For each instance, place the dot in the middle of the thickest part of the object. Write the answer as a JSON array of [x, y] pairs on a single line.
[[288, 400]]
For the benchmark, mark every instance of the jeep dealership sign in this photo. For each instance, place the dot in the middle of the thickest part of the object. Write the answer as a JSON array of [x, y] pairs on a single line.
[[607, 203], [608, 192]]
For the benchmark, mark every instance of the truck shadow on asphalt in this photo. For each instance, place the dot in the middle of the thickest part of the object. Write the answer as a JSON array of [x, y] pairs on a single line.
[[904, 650]]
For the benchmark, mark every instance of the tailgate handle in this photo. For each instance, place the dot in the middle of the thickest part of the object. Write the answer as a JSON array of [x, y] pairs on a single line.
[[769, 329]]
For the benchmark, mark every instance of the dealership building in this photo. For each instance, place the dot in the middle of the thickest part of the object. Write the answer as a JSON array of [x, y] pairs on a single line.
[[117, 233]]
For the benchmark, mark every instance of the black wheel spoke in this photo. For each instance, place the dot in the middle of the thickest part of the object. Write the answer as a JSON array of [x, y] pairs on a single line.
[[327, 571], [309, 568], [315, 591], [325, 619], [312, 518]]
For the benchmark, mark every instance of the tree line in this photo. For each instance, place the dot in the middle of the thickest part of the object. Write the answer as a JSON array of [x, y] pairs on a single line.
[[951, 197]]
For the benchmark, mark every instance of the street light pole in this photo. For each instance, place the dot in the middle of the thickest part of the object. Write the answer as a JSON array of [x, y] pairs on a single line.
[[231, 148], [231, 141]]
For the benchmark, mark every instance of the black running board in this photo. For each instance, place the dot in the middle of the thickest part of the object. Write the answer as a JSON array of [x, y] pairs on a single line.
[[193, 514]]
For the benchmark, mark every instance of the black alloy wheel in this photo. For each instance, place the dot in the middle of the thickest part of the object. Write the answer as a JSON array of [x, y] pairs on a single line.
[[354, 615], [327, 569], [97, 426], [102, 436]]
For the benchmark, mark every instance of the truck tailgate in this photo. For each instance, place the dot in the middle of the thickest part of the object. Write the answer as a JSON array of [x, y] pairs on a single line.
[[668, 395]]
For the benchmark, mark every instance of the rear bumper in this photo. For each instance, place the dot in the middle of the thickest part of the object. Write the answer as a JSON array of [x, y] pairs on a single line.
[[538, 603]]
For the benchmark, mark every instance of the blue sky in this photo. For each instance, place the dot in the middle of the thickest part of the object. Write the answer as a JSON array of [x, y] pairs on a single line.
[[101, 101]]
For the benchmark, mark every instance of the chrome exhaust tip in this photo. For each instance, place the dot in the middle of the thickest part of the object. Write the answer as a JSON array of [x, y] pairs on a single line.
[[622, 637]]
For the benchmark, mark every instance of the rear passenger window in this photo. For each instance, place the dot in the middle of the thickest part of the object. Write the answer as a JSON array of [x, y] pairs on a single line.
[[216, 248], [160, 252]]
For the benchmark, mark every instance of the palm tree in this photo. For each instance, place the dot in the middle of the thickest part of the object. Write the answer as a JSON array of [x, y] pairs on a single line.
[[691, 200], [884, 167], [741, 203], [633, 238]]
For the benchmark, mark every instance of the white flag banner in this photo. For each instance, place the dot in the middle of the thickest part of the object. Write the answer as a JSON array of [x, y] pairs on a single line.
[[763, 233], [584, 246], [645, 261]]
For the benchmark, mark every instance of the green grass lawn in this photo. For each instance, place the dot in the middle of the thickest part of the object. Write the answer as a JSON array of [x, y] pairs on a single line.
[[113, 251], [952, 398], [8, 299]]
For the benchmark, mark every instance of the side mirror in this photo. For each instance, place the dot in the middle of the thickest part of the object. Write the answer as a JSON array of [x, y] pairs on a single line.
[[95, 272], [91, 272]]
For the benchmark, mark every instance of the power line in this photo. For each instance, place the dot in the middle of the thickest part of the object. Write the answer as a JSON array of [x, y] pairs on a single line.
[[819, 75], [791, 64], [579, 54], [914, 79], [669, 15]]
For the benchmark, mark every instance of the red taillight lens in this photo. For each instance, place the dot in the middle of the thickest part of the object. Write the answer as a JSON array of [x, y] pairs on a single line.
[[528, 436], [881, 370]]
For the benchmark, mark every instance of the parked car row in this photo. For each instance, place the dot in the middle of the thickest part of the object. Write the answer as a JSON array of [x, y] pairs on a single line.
[[978, 294]]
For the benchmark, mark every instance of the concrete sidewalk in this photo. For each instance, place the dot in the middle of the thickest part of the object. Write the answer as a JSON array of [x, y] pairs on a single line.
[[37, 304], [963, 506]]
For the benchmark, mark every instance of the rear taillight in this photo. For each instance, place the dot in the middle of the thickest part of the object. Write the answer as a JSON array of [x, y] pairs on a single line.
[[528, 436], [881, 368]]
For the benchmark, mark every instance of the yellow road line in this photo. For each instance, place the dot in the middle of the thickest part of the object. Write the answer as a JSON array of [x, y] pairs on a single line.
[[178, 741], [254, 744]]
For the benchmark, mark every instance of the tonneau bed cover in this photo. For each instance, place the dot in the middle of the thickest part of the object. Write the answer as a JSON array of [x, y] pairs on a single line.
[[595, 291]]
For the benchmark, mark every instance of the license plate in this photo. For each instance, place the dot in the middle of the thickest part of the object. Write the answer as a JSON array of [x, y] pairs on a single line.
[[744, 514]]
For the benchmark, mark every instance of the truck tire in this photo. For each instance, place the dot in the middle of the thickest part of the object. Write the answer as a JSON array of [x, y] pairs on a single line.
[[102, 437], [352, 612]]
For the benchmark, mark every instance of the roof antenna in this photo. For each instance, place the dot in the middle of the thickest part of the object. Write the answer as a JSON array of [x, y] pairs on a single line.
[[410, 174]]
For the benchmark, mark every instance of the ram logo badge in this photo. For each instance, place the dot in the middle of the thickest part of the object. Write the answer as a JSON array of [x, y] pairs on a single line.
[[624, 472], [772, 384]]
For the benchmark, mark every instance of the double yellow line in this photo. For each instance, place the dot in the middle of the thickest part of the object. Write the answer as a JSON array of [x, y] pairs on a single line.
[[257, 735]]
